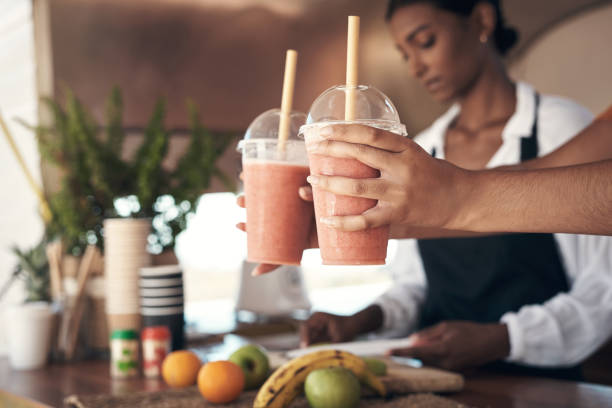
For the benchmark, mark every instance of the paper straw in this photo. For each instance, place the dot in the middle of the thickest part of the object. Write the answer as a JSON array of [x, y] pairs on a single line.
[[352, 69], [287, 98], [44, 206]]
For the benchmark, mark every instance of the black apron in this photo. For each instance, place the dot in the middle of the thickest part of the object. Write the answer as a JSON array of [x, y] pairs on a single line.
[[479, 279]]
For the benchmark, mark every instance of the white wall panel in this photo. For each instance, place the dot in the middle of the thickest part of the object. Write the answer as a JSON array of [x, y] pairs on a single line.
[[20, 223]]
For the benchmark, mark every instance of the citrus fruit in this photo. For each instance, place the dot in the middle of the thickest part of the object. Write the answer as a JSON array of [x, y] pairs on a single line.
[[180, 368], [220, 381]]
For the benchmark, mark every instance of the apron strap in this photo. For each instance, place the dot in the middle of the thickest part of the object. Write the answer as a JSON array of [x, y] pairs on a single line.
[[529, 145]]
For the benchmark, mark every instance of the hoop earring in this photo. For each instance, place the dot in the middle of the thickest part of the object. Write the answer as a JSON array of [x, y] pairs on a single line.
[[484, 38]]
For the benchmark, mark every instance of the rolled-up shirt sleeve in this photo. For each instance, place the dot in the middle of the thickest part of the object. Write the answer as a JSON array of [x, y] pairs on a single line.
[[401, 304], [570, 326], [605, 115]]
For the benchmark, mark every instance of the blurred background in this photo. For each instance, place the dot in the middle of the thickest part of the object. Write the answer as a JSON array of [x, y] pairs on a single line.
[[228, 57]]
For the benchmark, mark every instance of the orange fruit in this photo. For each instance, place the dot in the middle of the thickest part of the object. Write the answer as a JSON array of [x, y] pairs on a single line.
[[180, 368], [220, 381]]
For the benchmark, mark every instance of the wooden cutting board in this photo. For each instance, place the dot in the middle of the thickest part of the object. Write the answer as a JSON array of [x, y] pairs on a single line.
[[402, 379]]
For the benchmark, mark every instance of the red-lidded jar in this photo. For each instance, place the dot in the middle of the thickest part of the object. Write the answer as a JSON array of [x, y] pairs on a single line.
[[156, 343]]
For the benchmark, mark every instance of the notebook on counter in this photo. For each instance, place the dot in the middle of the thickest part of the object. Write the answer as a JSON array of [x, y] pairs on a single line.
[[360, 348]]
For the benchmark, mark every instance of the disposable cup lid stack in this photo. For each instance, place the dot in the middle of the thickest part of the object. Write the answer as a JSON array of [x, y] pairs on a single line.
[[160, 270], [160, 283], [161, 311], [161, 301], [161, 291]]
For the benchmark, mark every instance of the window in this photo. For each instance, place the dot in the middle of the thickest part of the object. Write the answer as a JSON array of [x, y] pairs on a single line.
[[212, 251]]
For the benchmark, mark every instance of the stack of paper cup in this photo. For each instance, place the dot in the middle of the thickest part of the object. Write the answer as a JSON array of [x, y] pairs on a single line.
[[161, 300], [125, 252]]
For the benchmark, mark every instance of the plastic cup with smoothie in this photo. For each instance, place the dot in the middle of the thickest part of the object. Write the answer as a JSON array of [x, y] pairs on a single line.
[[278, 220], [371, 108]]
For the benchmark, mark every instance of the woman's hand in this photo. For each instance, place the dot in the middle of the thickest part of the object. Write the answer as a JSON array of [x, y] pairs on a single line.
[[306, 195], [326, 328], [329, 328], [413, 188], [458, 345]]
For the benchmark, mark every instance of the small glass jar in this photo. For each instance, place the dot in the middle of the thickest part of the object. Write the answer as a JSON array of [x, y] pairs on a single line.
[[156, 343], [124, 354]]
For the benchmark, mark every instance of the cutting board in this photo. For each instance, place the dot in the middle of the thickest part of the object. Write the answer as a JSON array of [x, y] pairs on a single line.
[[402, 379]]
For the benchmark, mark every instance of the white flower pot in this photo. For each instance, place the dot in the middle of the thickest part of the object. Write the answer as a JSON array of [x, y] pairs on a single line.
[[29, 328]]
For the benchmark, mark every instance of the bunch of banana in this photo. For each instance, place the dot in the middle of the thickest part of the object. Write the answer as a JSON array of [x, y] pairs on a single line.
[[287, 381]]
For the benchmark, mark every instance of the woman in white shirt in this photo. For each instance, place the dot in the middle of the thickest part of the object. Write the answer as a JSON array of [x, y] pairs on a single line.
[[538, 300]]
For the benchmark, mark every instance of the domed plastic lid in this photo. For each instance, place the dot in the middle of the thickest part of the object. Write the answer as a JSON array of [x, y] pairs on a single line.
[[261, 139], [265, 126], [372, 108]]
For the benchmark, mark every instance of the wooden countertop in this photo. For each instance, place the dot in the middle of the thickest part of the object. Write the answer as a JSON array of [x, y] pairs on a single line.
[[51, 384]]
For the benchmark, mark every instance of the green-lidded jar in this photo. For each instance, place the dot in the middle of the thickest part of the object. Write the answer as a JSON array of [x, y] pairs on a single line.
[[124, 334], [124, 353]]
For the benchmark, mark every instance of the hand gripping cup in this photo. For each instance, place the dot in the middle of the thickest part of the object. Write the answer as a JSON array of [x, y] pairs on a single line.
[[371, 108], [278, 220]]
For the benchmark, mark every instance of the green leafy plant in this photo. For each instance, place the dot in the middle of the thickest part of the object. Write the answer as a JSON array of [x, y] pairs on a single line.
[[34, 270], [98, 181]]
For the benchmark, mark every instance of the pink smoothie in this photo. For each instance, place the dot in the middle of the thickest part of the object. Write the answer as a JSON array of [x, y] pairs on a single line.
[[278, 220], [368, 247]]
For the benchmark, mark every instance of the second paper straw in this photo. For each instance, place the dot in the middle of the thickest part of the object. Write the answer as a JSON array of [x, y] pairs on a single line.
[[287, 98], [352, 68]]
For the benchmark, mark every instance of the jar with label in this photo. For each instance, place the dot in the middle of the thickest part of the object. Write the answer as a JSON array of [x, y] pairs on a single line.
[[156, 343], [124, 354]]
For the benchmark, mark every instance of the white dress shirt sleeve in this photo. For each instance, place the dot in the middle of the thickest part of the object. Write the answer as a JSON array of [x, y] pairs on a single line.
[[401, 304], [570, 326], [559, 121]]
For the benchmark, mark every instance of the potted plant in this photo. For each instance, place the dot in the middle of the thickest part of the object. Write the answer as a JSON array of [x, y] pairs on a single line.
[[30, 324], [99, 182]]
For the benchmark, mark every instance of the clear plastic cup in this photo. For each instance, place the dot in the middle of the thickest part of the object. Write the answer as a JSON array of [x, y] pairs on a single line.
[[372, 108], [278, 220]]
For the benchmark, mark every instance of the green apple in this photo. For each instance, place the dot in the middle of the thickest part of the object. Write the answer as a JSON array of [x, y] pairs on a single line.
[[377, 367], [254, 363], [334, 387]]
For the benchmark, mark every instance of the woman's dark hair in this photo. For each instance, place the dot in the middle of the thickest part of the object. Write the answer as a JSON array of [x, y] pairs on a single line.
[[505, 37]]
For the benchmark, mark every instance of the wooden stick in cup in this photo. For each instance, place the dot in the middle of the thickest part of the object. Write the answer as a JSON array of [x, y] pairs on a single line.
[[44, 206], [55, 275], [352, 68], [75, 312], [284, 125]]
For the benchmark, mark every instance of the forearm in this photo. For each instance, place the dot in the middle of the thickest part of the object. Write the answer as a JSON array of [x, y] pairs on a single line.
[[403, 231], [400, 307], [575, 199], [368, 320], [592, 144], [561, 332]]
